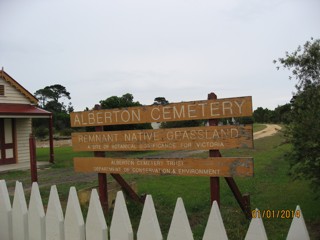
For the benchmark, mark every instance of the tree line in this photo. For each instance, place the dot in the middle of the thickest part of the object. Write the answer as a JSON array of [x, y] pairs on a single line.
[[52, 98]]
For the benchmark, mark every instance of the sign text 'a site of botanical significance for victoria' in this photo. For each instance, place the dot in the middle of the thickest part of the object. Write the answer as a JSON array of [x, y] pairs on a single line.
[[193, 138]]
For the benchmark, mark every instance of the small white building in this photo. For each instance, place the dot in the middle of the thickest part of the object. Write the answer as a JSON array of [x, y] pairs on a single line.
[[17, 109]]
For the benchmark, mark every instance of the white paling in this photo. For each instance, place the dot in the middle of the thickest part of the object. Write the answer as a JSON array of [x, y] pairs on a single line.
[[36, 216], [215, 229], [5, 213], [19, 214], [180, 227], [96, 227], [74, 224], [149, 228], [74, 228], [54, 217], [120, 228], [256, 229], [298, 229]]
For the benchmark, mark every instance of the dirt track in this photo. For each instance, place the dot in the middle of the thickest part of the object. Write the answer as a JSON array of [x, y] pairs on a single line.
[[270, 130]]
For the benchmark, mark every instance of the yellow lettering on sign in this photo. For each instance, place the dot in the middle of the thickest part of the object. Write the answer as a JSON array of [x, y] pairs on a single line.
[[155, 116], [214, 109], [219, 108]]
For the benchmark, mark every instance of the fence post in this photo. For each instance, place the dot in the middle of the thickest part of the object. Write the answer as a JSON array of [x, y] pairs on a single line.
[[33, 160], [51, 139]]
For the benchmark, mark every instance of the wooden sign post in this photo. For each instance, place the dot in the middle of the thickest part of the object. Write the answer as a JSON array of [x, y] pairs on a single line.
[[212, 138], [102, 177], [243, 200], [214, 181]]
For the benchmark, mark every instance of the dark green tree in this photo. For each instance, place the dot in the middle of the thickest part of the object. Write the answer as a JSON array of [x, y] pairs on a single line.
[[160, 101], [282, 114], [263, 115], [244, 120], [304, 130], [124, 101], [51, 99]]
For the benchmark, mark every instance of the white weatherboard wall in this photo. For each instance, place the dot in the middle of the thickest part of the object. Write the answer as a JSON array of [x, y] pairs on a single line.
[[20, 223], [23, 129], [12, 95]]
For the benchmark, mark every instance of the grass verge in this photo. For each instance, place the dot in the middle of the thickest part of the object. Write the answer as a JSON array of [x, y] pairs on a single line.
[[270, 189]]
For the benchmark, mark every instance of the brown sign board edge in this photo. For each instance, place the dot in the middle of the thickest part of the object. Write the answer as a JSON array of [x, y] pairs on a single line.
[[212, 167], [194, 110], [193, 138]]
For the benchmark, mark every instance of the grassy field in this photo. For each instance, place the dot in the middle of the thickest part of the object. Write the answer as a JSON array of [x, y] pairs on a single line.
[[270, 189]]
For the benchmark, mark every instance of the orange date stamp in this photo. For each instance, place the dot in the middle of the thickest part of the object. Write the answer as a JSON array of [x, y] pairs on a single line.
[[282, 213]]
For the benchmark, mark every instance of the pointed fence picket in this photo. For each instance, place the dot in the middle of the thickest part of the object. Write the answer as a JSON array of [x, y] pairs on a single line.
[[5, 212], [180, 227], [17, 222], [54, 217], [73, 222], [36, 216], [96, 227], [120, 224], [149, 227], [256, 229], [19, 214], [215, 229]]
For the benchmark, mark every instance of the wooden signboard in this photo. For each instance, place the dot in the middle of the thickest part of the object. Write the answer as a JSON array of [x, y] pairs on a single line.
[[207, 109], [210, 138], [193, 138], [226, 167]]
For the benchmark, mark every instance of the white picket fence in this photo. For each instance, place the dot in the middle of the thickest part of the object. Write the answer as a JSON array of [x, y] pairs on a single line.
[[17, 222]]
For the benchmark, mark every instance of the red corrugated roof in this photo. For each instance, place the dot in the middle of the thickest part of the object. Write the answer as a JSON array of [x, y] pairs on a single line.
[[22, 109]]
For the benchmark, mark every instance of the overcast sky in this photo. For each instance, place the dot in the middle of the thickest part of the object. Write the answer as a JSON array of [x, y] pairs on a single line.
[[179, 49]]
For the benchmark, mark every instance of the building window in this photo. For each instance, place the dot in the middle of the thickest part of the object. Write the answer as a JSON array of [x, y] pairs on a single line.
[[1, 90]]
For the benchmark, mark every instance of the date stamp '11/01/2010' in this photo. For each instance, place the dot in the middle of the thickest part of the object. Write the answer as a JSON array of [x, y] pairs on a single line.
[[281, 213]]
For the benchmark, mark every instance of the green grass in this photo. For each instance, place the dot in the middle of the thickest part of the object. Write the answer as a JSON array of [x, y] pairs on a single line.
[[63, 156], [270, 188], [258, 127]]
